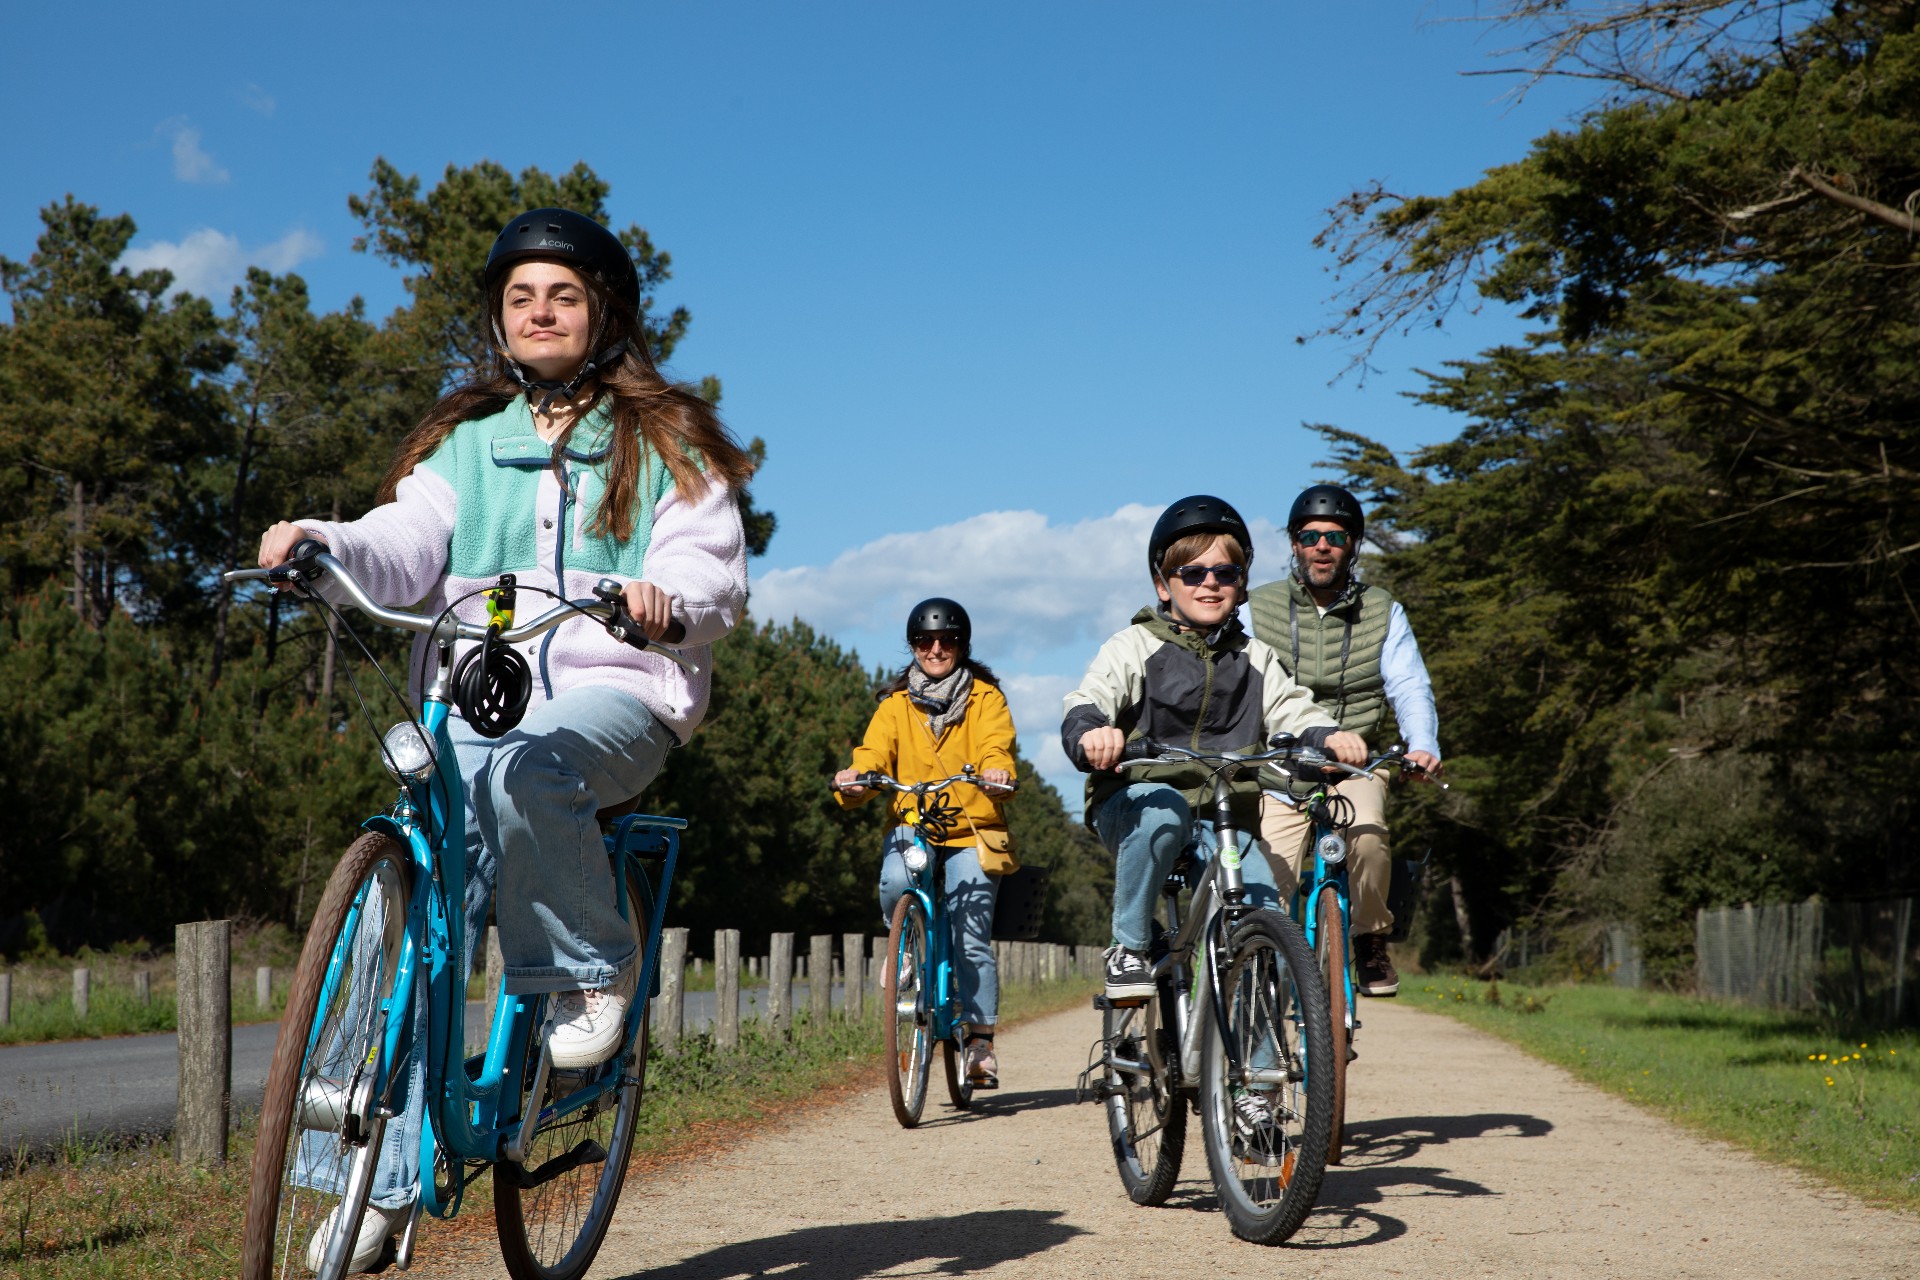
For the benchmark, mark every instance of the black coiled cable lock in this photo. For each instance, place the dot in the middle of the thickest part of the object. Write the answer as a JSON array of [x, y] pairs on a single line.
[[492, 683]]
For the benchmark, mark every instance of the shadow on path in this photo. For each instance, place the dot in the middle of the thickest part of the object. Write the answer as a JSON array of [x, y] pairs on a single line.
[[953, 1246], [994, 1102]]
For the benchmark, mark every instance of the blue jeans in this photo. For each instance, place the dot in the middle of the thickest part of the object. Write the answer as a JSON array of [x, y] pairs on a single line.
[[532, 797], [1146, 827], [971, 894]]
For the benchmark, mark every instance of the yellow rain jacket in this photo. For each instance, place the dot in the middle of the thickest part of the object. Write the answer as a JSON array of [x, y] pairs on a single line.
[[899, 743]]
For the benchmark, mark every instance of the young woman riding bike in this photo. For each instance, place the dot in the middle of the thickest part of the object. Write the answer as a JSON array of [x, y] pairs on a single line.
[[570, 460], [942, 712]]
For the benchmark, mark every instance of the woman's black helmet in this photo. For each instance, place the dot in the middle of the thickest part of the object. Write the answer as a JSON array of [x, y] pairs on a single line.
[[572, 238], [940, 614], [1201, 513], [1327, 502]]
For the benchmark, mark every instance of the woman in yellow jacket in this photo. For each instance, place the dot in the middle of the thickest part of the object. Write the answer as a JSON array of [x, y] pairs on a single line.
[[943, 712]]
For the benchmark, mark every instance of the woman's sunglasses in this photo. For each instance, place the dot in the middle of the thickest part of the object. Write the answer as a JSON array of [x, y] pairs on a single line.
[[1195, 574], [1310, 537], [923, 642]]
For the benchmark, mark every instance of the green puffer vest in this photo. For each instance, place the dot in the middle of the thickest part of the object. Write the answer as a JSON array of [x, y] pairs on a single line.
[[1336, 655]]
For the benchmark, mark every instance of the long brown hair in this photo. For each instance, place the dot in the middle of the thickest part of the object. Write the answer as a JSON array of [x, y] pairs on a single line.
[[653, 418]]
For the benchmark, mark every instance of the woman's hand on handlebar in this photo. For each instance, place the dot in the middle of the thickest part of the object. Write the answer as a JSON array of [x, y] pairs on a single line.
[[844, 781], [1102, 747], [652, 609], [277, 544]]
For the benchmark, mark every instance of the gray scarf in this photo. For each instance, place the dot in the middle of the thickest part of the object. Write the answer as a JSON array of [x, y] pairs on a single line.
[[944, 700]]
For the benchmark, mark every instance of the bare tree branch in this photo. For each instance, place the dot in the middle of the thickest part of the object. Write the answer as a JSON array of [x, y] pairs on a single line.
[[1872, 208]]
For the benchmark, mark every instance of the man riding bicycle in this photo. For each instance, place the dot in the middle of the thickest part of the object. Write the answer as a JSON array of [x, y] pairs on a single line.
[[1349, 642]]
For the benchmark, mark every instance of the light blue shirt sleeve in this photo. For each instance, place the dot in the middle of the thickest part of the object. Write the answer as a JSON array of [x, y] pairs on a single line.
[[1408, 689]]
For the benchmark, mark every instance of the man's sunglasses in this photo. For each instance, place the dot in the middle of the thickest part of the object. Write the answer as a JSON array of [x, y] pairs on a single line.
[[1309, 537], [1195, 574]]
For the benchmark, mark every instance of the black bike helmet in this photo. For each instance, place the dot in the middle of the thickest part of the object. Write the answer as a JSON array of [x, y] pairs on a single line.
[[1201, 513], [1327, 502], [572, 238], [940, 614]]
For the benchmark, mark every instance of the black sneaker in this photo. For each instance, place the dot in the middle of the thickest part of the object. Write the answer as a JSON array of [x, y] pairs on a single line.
[[1373, 971], [1129, 975], [1256, 1139]]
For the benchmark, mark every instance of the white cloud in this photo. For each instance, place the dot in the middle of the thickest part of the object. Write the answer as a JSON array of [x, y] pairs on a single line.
[[1035, 703], [190, 162], [210, 263]]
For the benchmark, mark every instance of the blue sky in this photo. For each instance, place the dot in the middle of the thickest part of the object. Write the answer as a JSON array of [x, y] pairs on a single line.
[[994, 281]]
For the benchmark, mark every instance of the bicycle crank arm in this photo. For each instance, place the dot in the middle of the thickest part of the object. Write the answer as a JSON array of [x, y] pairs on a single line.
[[521, 1140], [588, 1152]]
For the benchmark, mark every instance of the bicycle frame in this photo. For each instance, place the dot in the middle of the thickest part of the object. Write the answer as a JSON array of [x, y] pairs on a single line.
[[1317, 876], [465, 1117], [937, 975]]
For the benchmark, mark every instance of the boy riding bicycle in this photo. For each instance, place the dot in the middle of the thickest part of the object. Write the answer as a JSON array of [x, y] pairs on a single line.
[[1184, 672]]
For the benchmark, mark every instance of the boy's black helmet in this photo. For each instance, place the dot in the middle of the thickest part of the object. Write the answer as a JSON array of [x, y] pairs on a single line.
[[940, 614], [1201, 513], [1327, 502], [572, 238]]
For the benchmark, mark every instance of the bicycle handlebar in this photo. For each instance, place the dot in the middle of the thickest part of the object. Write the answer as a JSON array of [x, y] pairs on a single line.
[[310, 564], [1287, 753], [878, 781]]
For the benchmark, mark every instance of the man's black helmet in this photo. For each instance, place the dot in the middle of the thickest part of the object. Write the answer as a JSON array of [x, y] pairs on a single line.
[[572, 238], [940, 614], [1201, 513], [1327, 502]]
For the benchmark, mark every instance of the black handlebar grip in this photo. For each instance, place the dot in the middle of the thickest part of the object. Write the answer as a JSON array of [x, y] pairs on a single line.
[[1137, 749]]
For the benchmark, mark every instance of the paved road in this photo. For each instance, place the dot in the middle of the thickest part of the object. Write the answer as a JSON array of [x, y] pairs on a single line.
[[1469, 1159], [128, 1086]]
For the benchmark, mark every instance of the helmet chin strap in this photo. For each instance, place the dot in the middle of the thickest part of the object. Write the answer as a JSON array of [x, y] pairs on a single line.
[[554, 388]]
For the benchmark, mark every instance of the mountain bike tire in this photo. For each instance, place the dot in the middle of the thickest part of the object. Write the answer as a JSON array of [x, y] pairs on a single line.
[[309, 1172], [905, 1013], [1332, 949], [1146, 1114], [553, 1229], [1268, 1177]]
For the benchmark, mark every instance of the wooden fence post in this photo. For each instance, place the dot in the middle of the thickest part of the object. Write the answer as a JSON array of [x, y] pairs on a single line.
[[853, 951], [6, 999], [142, 987], [726, 988], [263, 986], [82, 992], [820, 977], [203, 956], [780, 983], [670, 1006]]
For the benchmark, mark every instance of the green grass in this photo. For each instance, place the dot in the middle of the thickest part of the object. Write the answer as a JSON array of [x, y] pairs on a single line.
[[1841, 1105], [127, 1214]]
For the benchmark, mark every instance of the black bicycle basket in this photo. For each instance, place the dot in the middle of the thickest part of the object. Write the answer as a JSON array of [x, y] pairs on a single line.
[[1022, 901]]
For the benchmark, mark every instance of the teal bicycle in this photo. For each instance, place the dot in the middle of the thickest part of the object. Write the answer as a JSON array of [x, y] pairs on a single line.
[[1323, 907], [391, 923], [918, 991]]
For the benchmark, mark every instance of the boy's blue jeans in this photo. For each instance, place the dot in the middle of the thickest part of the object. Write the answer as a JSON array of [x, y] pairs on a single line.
[[1146, 827], [971, 895], [532, 797]]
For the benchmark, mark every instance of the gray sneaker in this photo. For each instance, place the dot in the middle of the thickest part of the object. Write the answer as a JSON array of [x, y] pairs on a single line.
[[1256, 1138]]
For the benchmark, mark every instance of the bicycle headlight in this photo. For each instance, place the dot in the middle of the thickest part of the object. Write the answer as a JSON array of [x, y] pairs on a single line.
[[1333, 848], [407, 752], [915, 857]]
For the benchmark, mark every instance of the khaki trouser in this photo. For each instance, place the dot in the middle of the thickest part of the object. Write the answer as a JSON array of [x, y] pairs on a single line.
[[1369, 863]]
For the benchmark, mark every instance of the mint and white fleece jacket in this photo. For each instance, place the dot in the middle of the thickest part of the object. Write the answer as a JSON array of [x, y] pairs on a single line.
[[487, 503]]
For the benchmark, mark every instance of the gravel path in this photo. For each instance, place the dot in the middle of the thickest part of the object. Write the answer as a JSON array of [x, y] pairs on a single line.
[[1469, 1159]]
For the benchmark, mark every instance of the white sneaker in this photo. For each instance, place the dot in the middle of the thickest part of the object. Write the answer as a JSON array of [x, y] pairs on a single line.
[[377, 1225], [585, 1027]]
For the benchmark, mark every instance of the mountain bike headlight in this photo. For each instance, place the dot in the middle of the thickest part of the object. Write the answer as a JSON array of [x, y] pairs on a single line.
[[407, 752], [915, 857], [1333, 848]]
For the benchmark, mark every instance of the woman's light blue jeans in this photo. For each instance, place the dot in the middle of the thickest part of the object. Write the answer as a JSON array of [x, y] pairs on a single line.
[[532, 797], [1146, 827], [971, 894]]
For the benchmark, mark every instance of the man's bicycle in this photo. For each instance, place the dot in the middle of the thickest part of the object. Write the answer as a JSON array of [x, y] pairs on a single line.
[[392, 922], [1323, 906], [917, 988], [1237, 1029]]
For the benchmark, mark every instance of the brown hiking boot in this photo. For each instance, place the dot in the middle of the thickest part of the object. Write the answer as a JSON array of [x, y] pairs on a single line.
[[1373, 971]]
